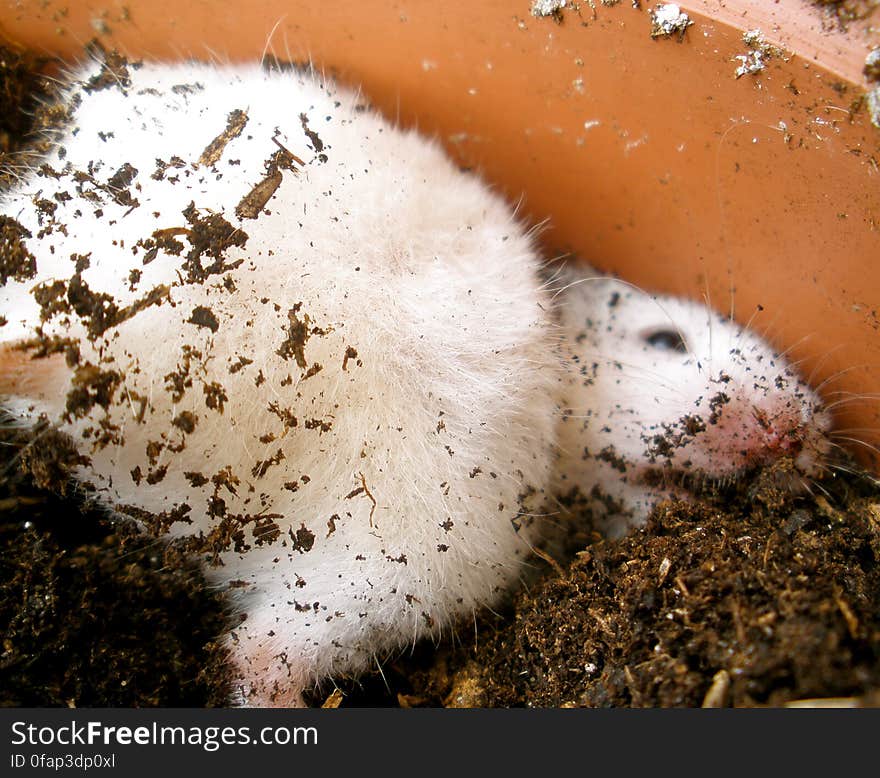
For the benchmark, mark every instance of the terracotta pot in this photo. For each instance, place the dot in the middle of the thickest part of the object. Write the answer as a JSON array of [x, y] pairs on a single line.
[[648, 156]]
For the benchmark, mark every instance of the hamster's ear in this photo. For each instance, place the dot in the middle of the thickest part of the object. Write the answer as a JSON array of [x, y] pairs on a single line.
[[562, 271], [577, 283], [582, 269], [44, 380]]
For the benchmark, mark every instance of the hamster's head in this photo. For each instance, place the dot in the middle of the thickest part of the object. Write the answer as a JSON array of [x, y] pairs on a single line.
[[668, 386]]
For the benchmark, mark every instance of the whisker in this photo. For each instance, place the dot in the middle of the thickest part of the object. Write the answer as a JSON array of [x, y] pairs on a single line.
[[269, 39], [786, 352], [823, 490], [839, 374], [856, 472], [821, 362], [851, 400], [748, 325], [868, 446]]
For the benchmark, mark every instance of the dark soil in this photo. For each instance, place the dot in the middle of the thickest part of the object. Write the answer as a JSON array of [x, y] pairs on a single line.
[[746, 599], [20, 88], [92, 611], [749, 597], [762, 605], [27, 91]]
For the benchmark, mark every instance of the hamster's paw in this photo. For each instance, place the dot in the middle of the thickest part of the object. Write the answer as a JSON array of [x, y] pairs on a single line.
[[262, 680]]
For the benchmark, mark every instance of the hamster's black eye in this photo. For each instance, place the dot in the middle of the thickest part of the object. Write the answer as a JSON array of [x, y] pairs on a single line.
[[666, 340]]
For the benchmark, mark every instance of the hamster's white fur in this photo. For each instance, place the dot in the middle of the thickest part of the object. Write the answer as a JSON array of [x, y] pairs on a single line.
[[661, 394], [347, 406]]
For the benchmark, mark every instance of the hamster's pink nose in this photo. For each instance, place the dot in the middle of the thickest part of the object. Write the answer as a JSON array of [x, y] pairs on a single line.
[[780, 434]]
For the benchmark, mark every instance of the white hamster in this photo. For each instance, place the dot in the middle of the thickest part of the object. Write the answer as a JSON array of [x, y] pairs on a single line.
[[662, 394], [295, 336]]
